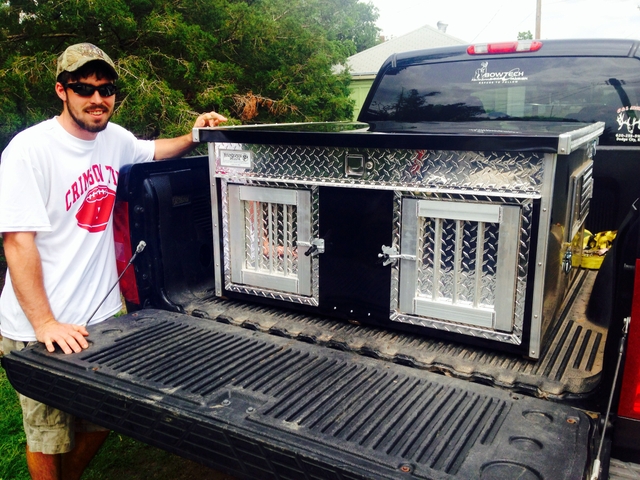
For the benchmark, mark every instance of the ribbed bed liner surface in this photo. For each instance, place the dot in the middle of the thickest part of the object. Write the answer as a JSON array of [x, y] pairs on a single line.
[[262, 406], [570, 363]]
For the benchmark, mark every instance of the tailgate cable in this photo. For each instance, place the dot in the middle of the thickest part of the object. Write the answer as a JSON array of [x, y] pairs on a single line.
[[595, 472], [139, 249]]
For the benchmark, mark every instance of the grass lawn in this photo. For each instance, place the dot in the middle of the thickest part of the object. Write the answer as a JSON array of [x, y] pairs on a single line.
[[12, 441]]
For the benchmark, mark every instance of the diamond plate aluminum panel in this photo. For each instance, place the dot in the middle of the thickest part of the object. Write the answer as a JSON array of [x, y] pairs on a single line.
[[464, 278], [272, 228], [514, 173]]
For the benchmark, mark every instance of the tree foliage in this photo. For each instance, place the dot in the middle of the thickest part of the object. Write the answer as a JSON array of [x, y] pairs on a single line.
[[525, 35], [253, 60]]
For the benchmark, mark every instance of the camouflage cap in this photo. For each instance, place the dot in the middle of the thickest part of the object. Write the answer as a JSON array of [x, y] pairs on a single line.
[[77, 55]]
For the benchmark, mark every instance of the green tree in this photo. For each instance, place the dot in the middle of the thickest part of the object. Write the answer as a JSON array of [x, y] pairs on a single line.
[[525, 35], [253, 60]]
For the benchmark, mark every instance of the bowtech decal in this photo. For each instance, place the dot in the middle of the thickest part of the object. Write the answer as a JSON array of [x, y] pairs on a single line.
[[485, 76]]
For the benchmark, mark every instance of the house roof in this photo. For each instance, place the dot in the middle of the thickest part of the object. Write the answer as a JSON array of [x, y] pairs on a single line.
[[369, 61]]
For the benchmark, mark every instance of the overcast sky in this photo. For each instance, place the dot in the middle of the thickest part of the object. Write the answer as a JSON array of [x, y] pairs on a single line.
[[496, 20]]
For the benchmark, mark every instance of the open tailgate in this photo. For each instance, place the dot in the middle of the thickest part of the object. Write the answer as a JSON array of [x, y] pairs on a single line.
[[261, 406]]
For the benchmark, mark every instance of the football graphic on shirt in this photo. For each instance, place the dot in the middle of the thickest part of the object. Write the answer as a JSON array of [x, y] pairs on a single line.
[[95, 211]]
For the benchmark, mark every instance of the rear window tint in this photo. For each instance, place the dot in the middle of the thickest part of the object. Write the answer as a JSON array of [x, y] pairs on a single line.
[[534, 88]]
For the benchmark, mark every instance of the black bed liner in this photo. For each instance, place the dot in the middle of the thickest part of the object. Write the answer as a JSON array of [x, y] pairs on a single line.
[[570, 364], [262, 406]]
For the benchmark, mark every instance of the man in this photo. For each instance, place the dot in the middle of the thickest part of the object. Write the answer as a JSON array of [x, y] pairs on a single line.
[[57, 190]]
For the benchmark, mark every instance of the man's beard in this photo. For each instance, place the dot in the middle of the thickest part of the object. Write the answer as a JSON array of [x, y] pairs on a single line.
[[89, 127]]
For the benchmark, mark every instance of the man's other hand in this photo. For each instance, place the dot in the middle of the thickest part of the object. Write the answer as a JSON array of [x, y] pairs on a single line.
[[69, 337], [211, 119]]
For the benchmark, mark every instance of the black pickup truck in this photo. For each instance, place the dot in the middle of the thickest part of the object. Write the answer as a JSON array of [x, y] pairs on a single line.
[[400, 297]]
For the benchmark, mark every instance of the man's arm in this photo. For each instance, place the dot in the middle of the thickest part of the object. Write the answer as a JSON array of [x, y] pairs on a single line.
[[25, 269], [179, 146]]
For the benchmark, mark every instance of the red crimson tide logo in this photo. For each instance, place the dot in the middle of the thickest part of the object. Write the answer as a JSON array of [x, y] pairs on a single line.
[[96, 209]]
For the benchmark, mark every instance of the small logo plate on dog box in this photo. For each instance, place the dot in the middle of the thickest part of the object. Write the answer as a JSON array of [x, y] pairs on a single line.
[[236, 158]]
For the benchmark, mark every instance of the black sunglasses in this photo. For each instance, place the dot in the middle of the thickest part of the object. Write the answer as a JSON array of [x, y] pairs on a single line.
[[86, 90]]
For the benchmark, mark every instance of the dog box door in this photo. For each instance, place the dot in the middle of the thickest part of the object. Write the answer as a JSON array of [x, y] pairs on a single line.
[[269, 233], [459, 262]]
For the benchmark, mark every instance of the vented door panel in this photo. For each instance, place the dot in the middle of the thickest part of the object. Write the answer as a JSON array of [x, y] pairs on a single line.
[[459, 261], [266, 227]]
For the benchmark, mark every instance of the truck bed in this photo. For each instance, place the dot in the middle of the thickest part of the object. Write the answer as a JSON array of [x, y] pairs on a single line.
[[258, 405], [570, 365], [571, 362]]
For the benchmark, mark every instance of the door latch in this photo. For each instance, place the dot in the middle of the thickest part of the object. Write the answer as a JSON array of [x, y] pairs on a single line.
[[390, 256], [316, 246]]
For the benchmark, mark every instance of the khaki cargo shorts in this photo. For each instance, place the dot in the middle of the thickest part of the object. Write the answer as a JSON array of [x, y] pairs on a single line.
[[48, 429]]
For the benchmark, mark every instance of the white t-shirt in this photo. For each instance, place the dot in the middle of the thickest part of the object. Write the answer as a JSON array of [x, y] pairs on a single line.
[[63, 188]]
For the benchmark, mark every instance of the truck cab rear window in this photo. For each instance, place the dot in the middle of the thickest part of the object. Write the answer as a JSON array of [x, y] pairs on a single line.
[[563, 89]]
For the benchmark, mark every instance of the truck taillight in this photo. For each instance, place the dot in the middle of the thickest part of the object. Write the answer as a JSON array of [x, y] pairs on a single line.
[[504, 47], [630, 394], [122, 239]]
